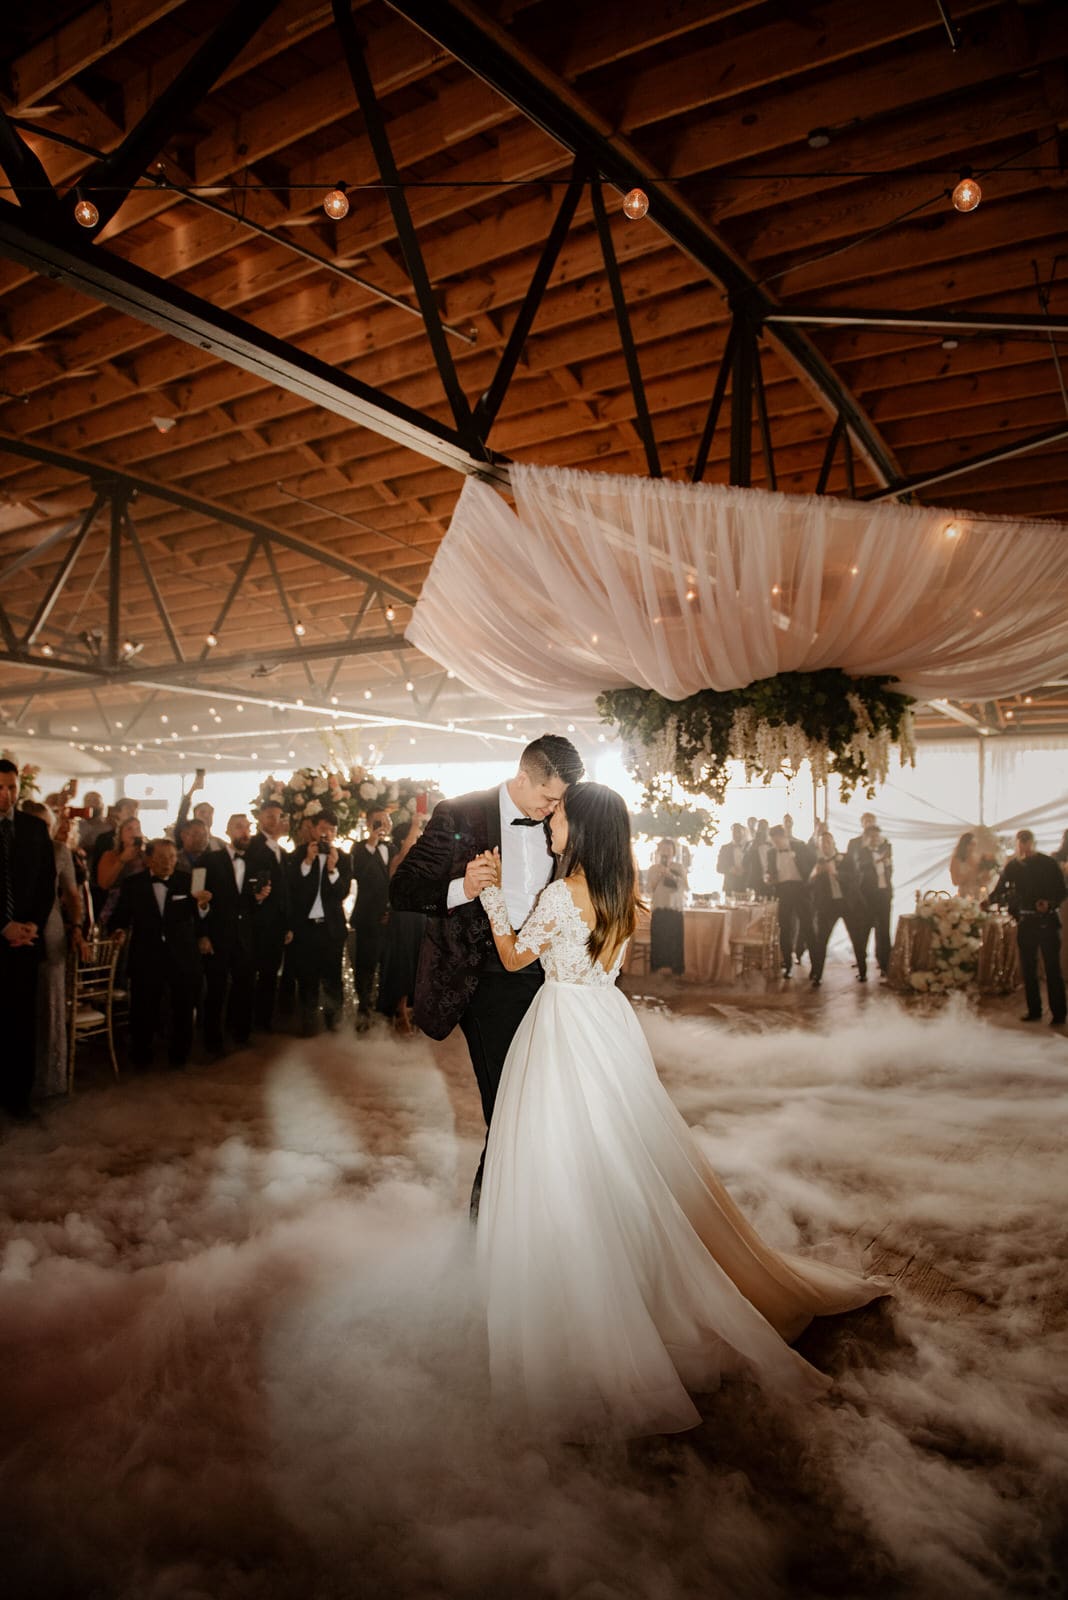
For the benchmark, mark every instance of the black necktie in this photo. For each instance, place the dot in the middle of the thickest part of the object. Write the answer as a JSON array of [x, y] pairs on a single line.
[[526, 822], [7, 887]]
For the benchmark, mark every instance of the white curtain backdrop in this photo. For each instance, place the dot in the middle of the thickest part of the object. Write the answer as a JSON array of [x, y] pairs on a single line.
[[593, 582]]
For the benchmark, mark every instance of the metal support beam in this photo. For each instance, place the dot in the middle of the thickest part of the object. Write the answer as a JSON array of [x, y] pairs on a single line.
[[25, 173], [643, 421], [766, 448], [36, 551], [66, 567], [959, 469], [93, 471], [489, 51], [154, 590], [290, 618], [828, 456], [118, 515], [715, 406], [402, 220], [927, 321], [93, 271], [235, 589], [110, 181], [741, 465], [487, 408], [361, 611]]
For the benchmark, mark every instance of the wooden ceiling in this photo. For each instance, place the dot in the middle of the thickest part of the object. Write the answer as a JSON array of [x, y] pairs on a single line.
[[808, 149]]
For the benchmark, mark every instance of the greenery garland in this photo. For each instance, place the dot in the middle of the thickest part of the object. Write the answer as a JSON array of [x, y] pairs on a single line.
[[843, 726]]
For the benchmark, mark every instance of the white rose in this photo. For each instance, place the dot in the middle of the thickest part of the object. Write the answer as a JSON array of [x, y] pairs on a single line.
[[319, 786], [299, 782], [368, 791], [919, 980], [313, 808], [276, 797]]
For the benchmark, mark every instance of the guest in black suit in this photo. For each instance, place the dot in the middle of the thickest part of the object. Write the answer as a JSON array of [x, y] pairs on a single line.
[[268, 862], [873, 860], [192, 838], [27, 895], [319, 880], [227, 940], [461, 979], [788, 866], [756, 860], [162, 914], [370, 873], [1032, 886], [731, 862], [835, 892]]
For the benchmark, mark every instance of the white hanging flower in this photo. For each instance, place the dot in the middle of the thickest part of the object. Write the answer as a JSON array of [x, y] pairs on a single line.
[[368, 791], [313, 808], [319, 786], [299, 781]]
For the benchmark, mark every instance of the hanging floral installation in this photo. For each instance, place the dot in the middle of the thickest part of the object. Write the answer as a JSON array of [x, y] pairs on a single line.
[[309, 791], [844, 727], [956, 926], [694, 825]]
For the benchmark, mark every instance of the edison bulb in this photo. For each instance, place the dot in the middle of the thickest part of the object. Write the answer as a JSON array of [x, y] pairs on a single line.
[[635, 204], [336, 204], [967, 194], [85, 214]]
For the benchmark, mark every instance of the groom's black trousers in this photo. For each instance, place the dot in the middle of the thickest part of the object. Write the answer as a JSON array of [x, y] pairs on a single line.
[[489, 1025]]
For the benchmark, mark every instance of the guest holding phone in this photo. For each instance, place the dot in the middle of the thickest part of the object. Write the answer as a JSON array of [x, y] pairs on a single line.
[[123, 859]]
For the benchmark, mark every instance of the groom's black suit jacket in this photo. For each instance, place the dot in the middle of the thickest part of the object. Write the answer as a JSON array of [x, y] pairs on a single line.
[[458, 945]]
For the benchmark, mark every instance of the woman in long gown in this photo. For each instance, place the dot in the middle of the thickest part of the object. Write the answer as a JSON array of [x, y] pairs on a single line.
[[50, 1072], [970, 872], [619, 1275]]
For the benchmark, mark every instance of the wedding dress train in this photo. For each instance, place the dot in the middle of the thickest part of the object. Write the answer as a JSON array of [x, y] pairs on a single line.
[[619, 1275]]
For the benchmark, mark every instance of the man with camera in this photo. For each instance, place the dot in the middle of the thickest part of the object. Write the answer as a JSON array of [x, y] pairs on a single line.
[[319, 879], [268, 860], [370, 872], [227, 941], [1032, 886], [873, 860]]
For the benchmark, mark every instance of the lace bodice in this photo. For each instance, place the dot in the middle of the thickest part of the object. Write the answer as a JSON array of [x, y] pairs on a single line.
[[555, 923]]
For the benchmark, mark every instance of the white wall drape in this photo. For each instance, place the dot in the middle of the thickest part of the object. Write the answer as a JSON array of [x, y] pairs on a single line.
[[593, 582]]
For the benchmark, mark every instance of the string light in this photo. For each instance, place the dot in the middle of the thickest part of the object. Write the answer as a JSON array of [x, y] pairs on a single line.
[[299, 629], [367, 694], [336, 203], [410, 686], [390, 613], [211, 640], [951, 530], [635, 204], [46, 650], [967, 195], [85, 213]]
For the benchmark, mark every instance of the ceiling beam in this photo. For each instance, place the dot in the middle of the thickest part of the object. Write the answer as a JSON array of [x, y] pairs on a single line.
[[930, 321], [492, 55], [960, 469]]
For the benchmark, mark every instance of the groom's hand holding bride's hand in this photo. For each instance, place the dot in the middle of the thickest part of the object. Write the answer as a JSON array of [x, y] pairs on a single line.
[[481, 872]]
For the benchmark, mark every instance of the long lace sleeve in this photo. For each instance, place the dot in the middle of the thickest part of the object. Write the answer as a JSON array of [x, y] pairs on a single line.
[[518, 950], [496, 908], [540, 926]]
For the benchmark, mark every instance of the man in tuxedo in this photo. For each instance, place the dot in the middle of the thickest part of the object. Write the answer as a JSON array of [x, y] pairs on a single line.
[[192, 838], [370, 873], [1032, 886], [319, 880], [461, 978], [203, 812], [835, 892], [788, 865], [267, 860], [27, 895], [227, 940], [731, 862], [162, 914], [873, 861]]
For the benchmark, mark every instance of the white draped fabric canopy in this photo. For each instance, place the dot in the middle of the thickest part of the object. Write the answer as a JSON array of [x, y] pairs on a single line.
[[592, 582]]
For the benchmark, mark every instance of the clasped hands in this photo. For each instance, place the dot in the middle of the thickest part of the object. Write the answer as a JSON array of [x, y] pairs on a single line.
[[482, 872]]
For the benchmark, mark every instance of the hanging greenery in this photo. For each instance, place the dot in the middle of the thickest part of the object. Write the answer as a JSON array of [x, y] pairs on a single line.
[[691, 823], [843, 726]]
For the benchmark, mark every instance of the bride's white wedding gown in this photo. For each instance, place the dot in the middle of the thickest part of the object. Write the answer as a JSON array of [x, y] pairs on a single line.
[[619, 1275]]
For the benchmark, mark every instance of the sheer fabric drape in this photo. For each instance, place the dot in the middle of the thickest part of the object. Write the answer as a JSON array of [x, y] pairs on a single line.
[[592, 582]]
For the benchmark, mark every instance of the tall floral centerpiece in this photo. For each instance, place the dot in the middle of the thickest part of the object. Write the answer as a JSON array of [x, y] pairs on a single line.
[[843, 727], [309, 791], [956, 926], [692, 824]]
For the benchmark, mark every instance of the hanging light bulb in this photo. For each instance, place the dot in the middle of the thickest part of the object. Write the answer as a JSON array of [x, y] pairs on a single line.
[[299, 629], [336, 203], [390, 613], [211, 640], [46, 650], [635, 204], [967, 195], [85, 213], [410, 686]]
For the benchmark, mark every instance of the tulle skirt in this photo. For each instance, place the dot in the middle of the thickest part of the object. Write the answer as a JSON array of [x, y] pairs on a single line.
[[619, 1275]]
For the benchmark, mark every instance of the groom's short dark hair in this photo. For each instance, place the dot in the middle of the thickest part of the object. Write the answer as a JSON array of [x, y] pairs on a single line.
[[552, 756]]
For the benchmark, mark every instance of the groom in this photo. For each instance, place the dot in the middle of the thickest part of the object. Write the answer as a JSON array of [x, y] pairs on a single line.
[[460, 978]]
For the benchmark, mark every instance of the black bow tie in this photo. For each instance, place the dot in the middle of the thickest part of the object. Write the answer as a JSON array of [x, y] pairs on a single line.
[[526, 822], [239, 855]]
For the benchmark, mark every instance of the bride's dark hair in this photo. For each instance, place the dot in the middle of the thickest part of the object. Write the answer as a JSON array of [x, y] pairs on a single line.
[[598, 841]]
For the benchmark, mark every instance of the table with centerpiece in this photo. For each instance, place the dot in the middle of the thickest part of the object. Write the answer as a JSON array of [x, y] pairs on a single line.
[[950, 943]]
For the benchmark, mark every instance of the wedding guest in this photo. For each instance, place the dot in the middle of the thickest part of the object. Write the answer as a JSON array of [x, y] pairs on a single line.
[[192, 840], [319, 880], [756, 858], [123, 809], [268, 861], [403, 942], [161, 913], [835, 893], [227, 938], [970, 871], [868, 819], [203, 812], [731, 862], [788, 866], [873, 861], [64, 923], [27, 895], [751, 825], [370, 863], [121, 860], [1060, 855], [667, 883], [1032, 886], [94, 823]]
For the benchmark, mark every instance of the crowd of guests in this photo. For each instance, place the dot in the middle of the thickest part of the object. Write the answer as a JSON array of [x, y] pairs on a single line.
[[228, 932]]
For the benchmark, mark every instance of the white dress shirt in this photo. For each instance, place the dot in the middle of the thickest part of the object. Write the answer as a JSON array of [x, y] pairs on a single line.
[[239, 867], [159, 889], [316, 912], [526, 865], [786, 866]]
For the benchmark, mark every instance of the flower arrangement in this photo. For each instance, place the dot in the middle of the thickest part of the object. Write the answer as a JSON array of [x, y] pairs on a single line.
[[28, 776], [842, 726], [668, 821], [350, 796], [956, 927]]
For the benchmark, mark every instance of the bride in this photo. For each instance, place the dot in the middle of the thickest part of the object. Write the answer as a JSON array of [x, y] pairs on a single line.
[[619, 1274]]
